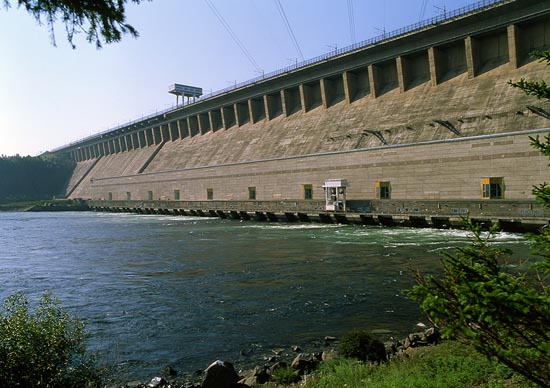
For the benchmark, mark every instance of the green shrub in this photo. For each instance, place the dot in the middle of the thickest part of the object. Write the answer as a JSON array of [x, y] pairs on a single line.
[[484, 302], [44, 347], [360, 344], [285, 376]]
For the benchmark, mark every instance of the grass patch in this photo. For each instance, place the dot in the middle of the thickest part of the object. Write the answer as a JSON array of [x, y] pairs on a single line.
[[448, 365]]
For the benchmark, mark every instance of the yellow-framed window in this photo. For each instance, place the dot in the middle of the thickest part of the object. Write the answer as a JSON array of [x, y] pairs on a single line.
[[308, 191], [492, 188], [383, 190]]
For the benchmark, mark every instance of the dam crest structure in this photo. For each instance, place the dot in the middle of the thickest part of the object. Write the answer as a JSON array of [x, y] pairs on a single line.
[[417, 127]]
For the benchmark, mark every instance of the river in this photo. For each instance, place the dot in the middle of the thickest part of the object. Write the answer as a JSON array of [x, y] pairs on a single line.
[[184, 291]]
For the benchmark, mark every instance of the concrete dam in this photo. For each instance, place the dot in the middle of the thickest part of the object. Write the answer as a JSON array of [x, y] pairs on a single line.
[[417, 127]]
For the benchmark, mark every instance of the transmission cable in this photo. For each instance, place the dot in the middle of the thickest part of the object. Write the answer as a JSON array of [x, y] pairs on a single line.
[[289, 28], [233, 35], [351, 16], [423, 9]]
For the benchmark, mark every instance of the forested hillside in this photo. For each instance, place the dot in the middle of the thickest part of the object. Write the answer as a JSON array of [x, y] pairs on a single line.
[[24, 178]]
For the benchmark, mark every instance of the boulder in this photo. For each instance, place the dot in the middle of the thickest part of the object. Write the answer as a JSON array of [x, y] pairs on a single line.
[[158, 382], [250, 381], [414, 340], [329, 354], [432, 336], [134, 384], [169, 371], [304, 363], [262, 374], [277, 365], [259, 375], [220, 374]]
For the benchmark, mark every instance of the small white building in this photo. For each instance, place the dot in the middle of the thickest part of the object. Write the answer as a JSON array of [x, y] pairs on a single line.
[[335, 194]]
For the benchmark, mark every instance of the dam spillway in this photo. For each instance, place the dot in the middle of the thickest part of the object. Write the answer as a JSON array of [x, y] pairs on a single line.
[[422, 125]]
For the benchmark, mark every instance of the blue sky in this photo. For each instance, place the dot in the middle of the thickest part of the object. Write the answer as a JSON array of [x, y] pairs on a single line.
[[50, 96]]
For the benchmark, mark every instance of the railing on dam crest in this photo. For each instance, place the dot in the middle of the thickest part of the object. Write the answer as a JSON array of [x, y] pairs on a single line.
[[446, 16]]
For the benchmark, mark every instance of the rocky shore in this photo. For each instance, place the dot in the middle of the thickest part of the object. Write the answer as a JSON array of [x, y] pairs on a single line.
[[293, 361]]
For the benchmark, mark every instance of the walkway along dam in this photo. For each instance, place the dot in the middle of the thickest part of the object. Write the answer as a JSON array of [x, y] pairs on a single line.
[[417, 127]]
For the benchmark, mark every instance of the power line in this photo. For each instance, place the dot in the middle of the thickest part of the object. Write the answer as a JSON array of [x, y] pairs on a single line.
[[423, 9], [233, 35], [351, 16], [289, 28]]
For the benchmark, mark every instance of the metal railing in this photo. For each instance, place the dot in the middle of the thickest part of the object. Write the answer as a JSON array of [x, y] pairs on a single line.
[[446, 16]]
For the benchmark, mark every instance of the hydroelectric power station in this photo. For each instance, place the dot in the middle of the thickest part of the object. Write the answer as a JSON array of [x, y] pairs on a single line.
[[418, 127]]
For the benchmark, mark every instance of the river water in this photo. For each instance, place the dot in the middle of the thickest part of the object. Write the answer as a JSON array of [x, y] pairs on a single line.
[[184, 291]]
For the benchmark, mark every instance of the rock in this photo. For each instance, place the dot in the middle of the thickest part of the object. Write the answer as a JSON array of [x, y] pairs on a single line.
[[169, 371], [391, 347], [247, 352], [271, 359], [134, 384], [414, 340], [304, 363], [432, 336], [250, 381], [329, 354], [259, 375], [220, 374], [277, 365], [158, 382], [296, 349]]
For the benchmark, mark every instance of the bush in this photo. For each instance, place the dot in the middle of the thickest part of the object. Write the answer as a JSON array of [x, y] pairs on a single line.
[[285, 376], [43, 348], [361, 345], [484, 302]]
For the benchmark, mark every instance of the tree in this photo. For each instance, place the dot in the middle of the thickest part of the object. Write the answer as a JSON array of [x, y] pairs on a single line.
[[99, 19], [482, 301], [34, 178], [44, 347]]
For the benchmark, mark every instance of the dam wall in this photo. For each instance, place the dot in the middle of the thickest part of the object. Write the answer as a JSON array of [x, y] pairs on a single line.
[[427, 115]]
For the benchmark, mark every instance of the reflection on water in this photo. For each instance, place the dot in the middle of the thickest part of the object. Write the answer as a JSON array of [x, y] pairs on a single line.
[[184, 291]]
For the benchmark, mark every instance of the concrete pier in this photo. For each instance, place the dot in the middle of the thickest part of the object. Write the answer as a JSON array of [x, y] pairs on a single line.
[[511, 216]]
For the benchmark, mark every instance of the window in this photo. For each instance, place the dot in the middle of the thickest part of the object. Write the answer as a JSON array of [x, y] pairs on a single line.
[[492, 188], [110, 196], [150, 195], [209, 194], [176, 195], [128, 196], [252, 193], [308, 192], [383, 190]]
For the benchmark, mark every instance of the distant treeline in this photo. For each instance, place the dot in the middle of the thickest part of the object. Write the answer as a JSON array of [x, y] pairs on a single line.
[[24, 178]]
